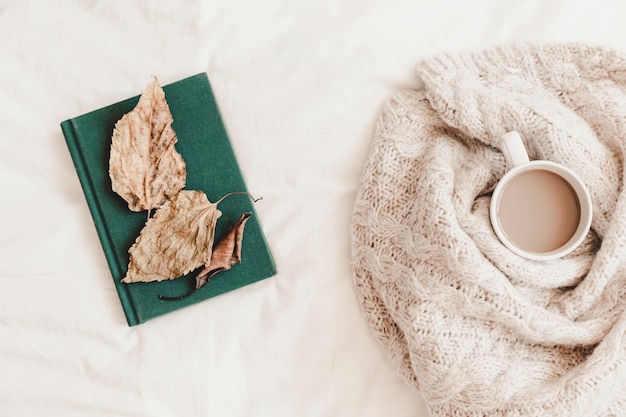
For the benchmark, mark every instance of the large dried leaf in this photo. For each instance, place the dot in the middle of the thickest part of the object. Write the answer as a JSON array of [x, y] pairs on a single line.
[[144, 166], [176, 240]]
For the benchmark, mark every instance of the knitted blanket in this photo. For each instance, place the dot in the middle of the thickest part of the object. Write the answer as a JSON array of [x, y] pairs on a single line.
[[477, 329]]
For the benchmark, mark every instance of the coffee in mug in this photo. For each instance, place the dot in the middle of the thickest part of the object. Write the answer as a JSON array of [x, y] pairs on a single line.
[[540, 210]]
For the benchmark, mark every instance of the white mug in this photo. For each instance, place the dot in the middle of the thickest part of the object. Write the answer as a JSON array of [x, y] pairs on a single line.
[[540, 210]]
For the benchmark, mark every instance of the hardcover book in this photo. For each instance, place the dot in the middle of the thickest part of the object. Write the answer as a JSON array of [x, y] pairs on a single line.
[[212, 167]]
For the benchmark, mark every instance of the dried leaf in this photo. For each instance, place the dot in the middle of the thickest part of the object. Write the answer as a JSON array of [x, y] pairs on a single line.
[[144, 166], [226, 253], [176, 240]]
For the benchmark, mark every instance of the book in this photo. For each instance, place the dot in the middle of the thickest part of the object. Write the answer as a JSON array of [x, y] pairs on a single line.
[[212, 167]]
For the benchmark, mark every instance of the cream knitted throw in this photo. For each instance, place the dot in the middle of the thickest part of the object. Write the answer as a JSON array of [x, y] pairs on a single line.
[[479, 330]]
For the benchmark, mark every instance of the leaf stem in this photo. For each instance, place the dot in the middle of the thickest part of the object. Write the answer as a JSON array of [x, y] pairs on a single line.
[[180, 297], [202, 279], [254, 200]]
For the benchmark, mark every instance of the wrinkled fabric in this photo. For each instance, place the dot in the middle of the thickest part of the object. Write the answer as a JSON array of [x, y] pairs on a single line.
[[299, 85]]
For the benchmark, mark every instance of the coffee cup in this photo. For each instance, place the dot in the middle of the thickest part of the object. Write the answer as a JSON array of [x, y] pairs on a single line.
[[540, 210]]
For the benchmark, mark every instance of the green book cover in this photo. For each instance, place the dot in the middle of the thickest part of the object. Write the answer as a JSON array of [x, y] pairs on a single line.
[[211, 167]]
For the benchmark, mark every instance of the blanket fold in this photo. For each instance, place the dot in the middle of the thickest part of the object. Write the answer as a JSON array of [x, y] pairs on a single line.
[[478, 329]]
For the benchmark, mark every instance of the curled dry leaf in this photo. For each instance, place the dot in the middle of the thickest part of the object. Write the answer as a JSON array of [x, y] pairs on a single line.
[[176, 240], [144, 166], [226, 253]]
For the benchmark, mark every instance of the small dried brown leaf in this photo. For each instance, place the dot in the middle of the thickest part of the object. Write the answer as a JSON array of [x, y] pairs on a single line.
[[176, 240], [144, 166], [226, 253]]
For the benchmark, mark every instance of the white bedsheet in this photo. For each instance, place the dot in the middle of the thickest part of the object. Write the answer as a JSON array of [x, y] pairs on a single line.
[[300, 85]]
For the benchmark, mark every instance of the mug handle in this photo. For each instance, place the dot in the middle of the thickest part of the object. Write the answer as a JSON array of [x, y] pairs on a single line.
[[513, 149]]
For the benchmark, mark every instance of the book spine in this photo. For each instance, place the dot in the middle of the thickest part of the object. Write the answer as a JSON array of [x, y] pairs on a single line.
[[69, 131]]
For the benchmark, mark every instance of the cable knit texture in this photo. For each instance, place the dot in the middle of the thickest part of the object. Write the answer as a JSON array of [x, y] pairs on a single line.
[[479, 330]]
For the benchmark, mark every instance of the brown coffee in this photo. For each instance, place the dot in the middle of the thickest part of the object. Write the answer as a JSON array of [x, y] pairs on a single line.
[[539, 211]]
